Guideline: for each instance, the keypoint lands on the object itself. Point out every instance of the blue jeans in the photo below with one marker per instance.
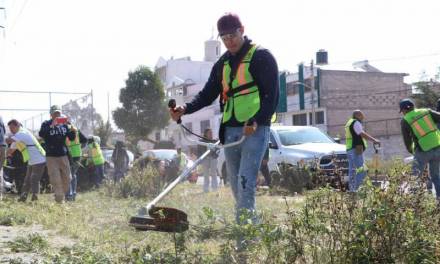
(356, 171)
(74, 166)
(431, 157)
(242, 163)
(210, 171)
(99, 175)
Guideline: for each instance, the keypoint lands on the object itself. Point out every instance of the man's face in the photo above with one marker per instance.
(209, 134)
(14, 129)
(55, 115)
(233, 41)
(359, 116)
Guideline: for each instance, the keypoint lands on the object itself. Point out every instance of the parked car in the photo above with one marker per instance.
(292, 145)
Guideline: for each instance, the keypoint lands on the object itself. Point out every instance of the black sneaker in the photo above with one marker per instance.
(34, 197)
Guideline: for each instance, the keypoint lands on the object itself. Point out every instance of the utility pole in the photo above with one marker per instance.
(312, 85)
(108, 107)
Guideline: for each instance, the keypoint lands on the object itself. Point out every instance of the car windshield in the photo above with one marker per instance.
(161, 154)
(302, 136)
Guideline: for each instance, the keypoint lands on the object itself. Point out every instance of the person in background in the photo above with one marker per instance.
(31, 151)
(356, 144)
(209, 164)
(422, 139)
(2, 152)
(95, 155)
(54, 133)
(2, 148)
(120, 160)
(15, 169)
(75, 153)
(264, 168)
(180, 159)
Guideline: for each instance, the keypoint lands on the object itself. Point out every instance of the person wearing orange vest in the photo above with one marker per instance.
(422, 138)
(246, 79)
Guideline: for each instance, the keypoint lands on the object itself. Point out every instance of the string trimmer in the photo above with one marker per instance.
(166, 219)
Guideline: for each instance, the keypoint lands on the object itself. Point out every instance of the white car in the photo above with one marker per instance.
(302, 144)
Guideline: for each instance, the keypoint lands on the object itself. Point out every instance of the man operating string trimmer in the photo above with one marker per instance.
(246, 78)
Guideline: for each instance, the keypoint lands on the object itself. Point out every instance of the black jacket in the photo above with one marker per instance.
(264, 70)
(55, 138)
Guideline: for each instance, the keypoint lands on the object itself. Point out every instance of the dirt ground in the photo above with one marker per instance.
(10, 233)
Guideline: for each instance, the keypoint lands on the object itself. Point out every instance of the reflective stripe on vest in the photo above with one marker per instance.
(21, 146)
(240, 95)
(75, 146)
(424, 128)
(349, 136)
(36, 142)
(97, 156)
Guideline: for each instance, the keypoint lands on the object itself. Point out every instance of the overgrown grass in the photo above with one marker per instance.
(9, 218)
(397, 225)
(31, 243)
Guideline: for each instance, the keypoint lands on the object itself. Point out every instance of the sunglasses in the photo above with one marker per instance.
(230, 36)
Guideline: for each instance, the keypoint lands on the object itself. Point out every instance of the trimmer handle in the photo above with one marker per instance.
(172, 105)
(376, 147)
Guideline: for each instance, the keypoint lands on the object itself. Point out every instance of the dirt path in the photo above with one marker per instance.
(10, 233)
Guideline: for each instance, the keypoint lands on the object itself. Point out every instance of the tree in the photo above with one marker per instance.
(143, 105)
(81, 116)
(427, 94)
(104, 132)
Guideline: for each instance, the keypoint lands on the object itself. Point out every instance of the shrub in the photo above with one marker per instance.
(31, 243)
(8, 217)
(139, 183)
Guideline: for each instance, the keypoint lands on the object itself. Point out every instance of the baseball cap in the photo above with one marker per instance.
(228, 23)
(55, 108)
(406, 104)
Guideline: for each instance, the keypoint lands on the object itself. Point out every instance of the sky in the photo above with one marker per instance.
(84, 45)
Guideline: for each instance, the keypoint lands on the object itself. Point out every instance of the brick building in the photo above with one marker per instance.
(339, 92)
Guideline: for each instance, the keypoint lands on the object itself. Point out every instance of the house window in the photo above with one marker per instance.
(299, 120)
(204, 124)
(319, 118)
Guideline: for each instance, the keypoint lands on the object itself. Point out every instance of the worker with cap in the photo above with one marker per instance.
(356, 143)
(54, 133)
(75, 154)
(97, 158)
(246, 79)
(422, 139)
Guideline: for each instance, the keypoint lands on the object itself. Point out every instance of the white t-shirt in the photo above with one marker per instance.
(35, 157)
(357, 127)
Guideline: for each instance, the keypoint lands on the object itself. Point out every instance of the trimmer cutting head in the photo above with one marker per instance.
(162, 219)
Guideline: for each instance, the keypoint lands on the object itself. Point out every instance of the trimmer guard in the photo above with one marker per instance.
(162, 219)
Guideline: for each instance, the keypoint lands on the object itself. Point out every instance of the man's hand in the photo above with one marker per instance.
(9, 140)
(177, 112)
(249, 128)
(376, 141)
